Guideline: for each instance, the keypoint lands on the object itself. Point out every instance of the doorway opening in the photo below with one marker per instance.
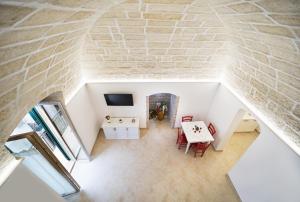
(48, 144)
(162, 107)
(244, 130)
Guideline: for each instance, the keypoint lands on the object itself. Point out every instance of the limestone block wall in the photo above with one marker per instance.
(40, 43)
(156, 39)
(266, 51)
(39, 55)
(173, 109)
(255, 42)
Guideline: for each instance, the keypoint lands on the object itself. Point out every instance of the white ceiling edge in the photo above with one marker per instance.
(69, 97)
(152, 80)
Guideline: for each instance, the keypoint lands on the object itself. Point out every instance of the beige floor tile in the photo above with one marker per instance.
(153, 169)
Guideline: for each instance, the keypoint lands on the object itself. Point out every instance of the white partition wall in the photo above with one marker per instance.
(222, 114)
(195, 98)
(87, 108)
(22, 185)
(84, 117)
(268, 171)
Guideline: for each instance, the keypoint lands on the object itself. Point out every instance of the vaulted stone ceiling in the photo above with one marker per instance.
(52, 45)
(157, 39)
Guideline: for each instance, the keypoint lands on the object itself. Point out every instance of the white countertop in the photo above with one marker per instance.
(126, 122)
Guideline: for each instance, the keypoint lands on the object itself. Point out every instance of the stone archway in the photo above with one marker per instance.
(238, 118)
(174, 100)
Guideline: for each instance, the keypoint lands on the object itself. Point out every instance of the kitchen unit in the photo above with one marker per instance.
(121, 128)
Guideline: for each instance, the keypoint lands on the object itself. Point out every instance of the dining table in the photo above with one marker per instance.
(195, 132)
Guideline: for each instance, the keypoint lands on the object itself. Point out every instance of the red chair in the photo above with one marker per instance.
(200, 147)
(186, 118)
(211, 129)
(181, 139)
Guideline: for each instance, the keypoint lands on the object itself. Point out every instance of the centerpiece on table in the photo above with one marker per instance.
(197, 129)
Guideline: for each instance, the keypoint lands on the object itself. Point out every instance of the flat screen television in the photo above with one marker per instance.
(119, 99)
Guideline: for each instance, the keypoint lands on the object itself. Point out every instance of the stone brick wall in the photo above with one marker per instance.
(173, 109)
(255, 42)
(49, 45)
(160, 97)
(156, 39)
(265, 68)
(39, 55)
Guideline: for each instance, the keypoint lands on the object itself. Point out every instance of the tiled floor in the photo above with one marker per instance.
(153, 169)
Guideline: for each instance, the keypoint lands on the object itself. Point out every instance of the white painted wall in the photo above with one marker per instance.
(22, 185)
(195, 98)
(268, 171)
(224, 110)
(83, 115)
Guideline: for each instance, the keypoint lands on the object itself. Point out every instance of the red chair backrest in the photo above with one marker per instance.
(212, 129)
(186, 118)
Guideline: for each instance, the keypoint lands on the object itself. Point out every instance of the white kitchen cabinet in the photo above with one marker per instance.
(110, 132)
(121, 128)
(122, 132)
(133, 133)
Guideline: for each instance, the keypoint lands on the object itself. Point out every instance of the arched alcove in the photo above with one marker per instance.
(242, 123)
(155, 101)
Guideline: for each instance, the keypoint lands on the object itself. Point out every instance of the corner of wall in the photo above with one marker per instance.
(213, 100)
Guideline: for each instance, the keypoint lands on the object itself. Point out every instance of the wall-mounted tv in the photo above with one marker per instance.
(119, 99)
